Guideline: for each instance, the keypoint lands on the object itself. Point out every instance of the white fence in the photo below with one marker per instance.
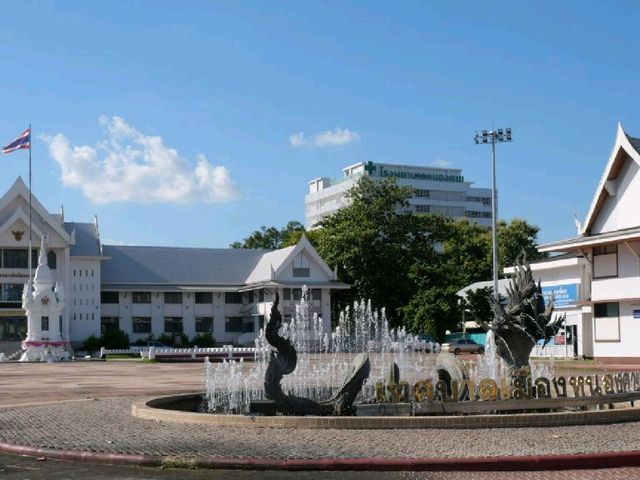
(553, 351)
(213, 353)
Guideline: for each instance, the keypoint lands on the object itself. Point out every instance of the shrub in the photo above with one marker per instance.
(92, 344)
(204, 340)
(115, 339)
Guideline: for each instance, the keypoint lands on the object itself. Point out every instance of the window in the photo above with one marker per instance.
(141, 297)
(204, 324)
(15, 258)
(605, 261)
(297, 294)
(606, 322)
(51, 260)
(422, 193)
(611, 309)
(232, 297)
(233, 324)
(109, 324)
(423, 208)
(109, 297)
(316, 294)
(173, 324)
(301, 266)
(172, 297)
(204, 297)
(141, 324)
(286, 294)
(261, 295)
(250, 296)
(248, 325)
(44, 323)
(11, 292)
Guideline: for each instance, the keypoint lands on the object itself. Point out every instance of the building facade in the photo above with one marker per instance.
(151, 291)
(440, 191)
(599, 269)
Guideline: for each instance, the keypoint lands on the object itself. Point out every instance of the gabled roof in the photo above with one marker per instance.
(273, 263)
(20, 189)
(87, 240)
(623, 147)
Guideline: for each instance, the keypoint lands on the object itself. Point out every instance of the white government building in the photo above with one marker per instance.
(440, 191)
(151, 290)
(596, 275)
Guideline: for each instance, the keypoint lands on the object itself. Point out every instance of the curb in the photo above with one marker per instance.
(582, 461)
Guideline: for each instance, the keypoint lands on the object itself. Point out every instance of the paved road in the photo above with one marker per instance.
(24, 468)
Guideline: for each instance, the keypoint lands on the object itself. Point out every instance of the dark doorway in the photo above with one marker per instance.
(13, 328)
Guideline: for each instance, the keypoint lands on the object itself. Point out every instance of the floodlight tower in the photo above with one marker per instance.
(494, 136)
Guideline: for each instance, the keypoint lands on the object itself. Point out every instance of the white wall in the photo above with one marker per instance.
(83, 298)
(621, 211)
(629, 335)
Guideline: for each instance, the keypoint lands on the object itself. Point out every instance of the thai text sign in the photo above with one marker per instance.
(563, 295)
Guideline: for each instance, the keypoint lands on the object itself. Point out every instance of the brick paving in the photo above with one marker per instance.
(86, 407)
(106, 425)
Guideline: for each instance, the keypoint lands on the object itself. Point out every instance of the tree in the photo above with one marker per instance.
(374, 242)
(517, 237)
(271, 237)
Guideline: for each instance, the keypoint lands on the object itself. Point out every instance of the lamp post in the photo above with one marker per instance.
(492, 137)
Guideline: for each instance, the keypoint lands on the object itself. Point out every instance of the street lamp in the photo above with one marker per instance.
(492, 136)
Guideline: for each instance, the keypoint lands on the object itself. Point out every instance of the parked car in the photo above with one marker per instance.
(464, 346)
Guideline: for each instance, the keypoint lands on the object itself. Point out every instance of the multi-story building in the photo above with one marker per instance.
(597, 279)
(441, 191)
(147, 291)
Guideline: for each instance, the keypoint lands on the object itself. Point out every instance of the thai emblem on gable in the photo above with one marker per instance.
(17, 234)
(45, 300)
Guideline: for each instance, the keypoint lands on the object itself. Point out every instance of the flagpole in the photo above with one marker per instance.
(29, 253)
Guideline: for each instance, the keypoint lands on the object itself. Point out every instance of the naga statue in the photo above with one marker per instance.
(523, 321)
(283, 362)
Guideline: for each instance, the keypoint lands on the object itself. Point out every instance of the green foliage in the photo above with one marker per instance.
(374, 242)
(517, 237)
(477, 304)
(413, 265)
(175, 340)
(115, 339)
(204, 340)
(92, 344)
(271, 237)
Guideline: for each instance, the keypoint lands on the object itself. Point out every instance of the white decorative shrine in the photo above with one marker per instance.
(43, 304)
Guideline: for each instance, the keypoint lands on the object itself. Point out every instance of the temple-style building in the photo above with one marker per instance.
(144, 291)
(596, 276)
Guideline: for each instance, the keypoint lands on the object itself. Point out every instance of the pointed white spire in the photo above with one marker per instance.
(43, 277)
(578, 223)
(273, 272)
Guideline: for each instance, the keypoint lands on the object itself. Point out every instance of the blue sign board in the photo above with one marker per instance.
(563, 295)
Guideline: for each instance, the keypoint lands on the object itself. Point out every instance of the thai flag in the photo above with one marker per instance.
(23, 141)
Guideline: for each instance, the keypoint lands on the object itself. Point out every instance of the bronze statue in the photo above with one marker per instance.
(283, 362)
(523, 321)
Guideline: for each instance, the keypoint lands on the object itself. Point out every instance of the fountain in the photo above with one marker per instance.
(366, 370)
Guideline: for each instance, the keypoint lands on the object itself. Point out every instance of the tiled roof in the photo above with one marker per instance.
(178, 266)
(87, 241)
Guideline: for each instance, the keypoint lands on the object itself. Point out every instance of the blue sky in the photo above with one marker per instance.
(173, 122)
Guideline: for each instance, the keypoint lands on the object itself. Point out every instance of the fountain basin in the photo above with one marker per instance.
(183, 409)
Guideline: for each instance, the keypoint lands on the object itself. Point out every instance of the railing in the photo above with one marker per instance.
(552, 351)
(227, 352)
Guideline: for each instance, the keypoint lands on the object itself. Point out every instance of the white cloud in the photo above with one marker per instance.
(132, 167)
(441, 163)
(338, 136)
